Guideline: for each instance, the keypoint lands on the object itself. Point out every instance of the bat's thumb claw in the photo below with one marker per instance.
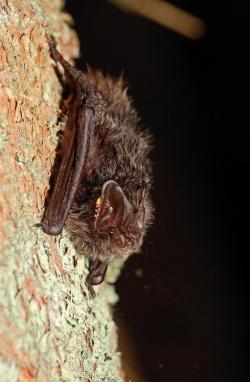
(52, 41)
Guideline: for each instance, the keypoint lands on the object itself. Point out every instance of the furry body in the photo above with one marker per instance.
(103, 183)
(119, 151)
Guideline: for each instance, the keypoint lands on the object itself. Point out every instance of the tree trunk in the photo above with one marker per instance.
(50, 329)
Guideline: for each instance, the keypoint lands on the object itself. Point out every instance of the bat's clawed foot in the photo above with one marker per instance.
(97, 271)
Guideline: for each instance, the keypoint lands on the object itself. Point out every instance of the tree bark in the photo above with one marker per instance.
(50, 329)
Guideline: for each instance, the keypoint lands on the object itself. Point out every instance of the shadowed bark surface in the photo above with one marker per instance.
(50, 330)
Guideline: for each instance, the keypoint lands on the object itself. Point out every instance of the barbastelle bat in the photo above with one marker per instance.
(102, 188)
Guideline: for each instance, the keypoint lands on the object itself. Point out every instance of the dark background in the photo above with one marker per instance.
(184, 298)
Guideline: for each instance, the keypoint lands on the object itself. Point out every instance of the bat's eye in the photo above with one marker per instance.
(111, 230)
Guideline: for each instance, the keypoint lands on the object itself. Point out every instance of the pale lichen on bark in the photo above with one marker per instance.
(50, 330)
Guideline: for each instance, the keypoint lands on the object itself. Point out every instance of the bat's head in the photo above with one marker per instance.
(116, 217)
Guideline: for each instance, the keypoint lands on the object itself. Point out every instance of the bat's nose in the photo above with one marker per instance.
(121, 241)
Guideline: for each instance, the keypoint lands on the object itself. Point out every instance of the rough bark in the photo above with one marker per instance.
(50, 330)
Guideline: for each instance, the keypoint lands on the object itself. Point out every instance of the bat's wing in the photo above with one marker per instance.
(70, 173)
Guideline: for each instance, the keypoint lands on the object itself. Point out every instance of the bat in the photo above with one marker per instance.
(102, 188)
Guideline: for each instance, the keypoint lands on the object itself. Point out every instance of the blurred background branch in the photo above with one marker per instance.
(167, 15)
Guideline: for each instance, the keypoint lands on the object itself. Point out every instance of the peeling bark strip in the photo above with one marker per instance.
(49, 329)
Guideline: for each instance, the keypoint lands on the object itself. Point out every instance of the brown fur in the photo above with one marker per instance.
(118, 151)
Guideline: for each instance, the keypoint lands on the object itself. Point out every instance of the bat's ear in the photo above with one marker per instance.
(114, 208)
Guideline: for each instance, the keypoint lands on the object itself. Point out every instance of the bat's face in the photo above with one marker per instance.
(115, 216)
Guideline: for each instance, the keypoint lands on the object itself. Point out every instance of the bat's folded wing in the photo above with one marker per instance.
(70, 173)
